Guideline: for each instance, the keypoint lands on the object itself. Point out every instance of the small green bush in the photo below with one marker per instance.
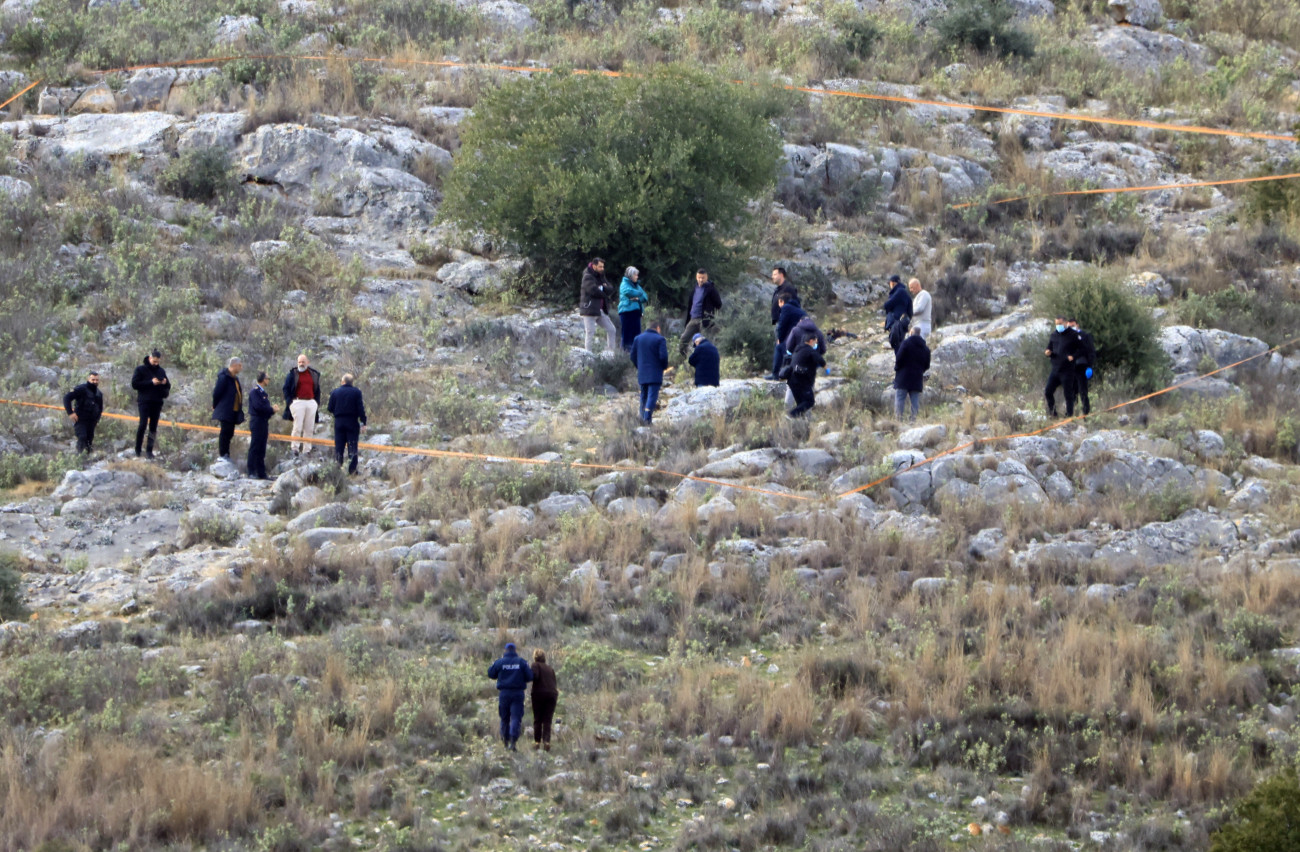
(1121, 326)
(199, 174)
(652, 170)
(858, 33)
(1267, 820)
(212, 529)
(984, 25)
(11, 598)
(745, 331)
(17, 468)
(1275, 201)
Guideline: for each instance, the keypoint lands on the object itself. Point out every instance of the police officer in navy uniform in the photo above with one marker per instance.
(512, 674)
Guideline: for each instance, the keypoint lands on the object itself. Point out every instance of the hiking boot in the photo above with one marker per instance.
(547, 745)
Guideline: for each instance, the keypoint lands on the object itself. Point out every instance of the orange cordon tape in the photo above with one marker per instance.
(20, 93)
(1057, 425)
(423, 451)
(869, 96)
(1256, 179)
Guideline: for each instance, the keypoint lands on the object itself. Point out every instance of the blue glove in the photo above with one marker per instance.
(1088, 373)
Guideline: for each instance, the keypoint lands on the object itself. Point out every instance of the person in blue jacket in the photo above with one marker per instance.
(706, 360)
(512, 674)
(650, 357)
(786, 320)
(632, 300)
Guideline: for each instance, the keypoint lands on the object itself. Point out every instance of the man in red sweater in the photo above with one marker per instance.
(302, 398)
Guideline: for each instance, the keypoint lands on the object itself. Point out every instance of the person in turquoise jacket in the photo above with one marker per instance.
(631, 302)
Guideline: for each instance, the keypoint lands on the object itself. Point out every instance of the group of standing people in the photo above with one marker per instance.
(1073, 355)
(84, 405)
(909, 319)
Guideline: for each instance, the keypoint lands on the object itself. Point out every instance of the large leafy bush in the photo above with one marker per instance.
(653, 171)
(1121, 326)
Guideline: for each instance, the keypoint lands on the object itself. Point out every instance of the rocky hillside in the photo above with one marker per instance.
(1081, 639)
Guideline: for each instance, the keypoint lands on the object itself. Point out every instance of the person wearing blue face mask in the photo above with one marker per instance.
(1061, 349)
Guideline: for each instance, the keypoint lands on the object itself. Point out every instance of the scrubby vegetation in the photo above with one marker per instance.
(656, 169)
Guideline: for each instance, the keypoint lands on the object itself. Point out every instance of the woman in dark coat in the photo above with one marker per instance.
(910, 365)
(545, 696)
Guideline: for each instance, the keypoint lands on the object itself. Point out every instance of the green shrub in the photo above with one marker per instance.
(745, 331)
(651, 170)
(199, 174)
(858, 33)
(1121, 326)
(17, 468)
(1275, 201)
(220, 530)
(1267, 820)
(11, 598)
(984, 25)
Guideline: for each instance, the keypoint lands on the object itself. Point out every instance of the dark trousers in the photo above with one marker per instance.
(631, 327)
(804, 398)
(510, 707)
(649, 399)
(1063, 378)
(84, 429)
(693, 327)
(1081, 380)
(778, 358)
(258, 430)
(149, 414)
(543, 713)
(223, 437)
(346, 437)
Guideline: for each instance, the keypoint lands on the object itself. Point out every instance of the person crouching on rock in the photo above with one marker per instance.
(803, 377)
(512, 674)
(706, 361)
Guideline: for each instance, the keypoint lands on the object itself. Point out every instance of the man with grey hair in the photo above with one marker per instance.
(922, 307)
(228, 404)
(349, 411)
(302, 401)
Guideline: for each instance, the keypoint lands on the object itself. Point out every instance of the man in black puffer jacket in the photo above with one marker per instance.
(85, 404)
(151, 387)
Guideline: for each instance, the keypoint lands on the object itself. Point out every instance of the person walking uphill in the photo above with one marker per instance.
(349, 410)
(898, 312)
(512, 674)
(910, 364)
(706, 361)
(1061, 349)
(228, 404)
(781, 287)
(787, 318)
(650, 357)
(632, 300)
(592, 298)
(85, 405)
(149, 381)
(302, 401)
(546, 694)
(260, 412)
(701, 305)
(804, 365)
